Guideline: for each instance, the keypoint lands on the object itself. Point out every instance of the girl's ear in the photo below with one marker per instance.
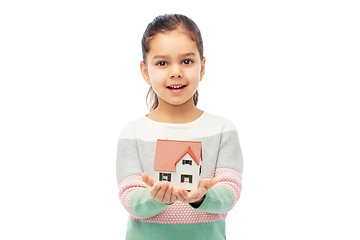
(145, 72)
(202, 71)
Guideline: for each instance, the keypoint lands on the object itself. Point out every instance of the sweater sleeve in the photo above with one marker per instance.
(217, 200)
(223, 196)
(144, 206)
(133, 192)
(135, 196)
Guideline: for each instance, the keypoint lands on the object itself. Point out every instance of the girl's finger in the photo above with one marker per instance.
(180, 197)
(173, 197)
(167, 195)
(154, 191)
(191, 194)
(160, 194)
(207, 184)
(196, 194)
(184, 194)
(147, 180)
(213, 182)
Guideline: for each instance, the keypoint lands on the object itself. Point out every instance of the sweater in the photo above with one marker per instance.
(221, 158)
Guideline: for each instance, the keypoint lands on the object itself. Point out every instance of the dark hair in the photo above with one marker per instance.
(167, 23)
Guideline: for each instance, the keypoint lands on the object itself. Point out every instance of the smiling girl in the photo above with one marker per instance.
(173, 65)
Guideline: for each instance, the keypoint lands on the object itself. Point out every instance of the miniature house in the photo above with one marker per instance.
(178, 163)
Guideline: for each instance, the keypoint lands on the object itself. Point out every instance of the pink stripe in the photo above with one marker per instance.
(181, 213)
(126, 188)
(231, 179)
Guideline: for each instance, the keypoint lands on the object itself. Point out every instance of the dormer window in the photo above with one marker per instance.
(186, 162)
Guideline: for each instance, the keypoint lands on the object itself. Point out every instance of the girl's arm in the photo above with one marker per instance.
(163, 193)
(134, 194)
(229, 166)
(222, 197)
(214, 198)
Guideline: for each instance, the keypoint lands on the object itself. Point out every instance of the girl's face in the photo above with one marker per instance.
(173, 67)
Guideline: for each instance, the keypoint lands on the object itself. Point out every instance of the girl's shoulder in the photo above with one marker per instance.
(219, 121)
(130, 129)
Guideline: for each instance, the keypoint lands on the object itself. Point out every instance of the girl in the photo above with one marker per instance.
(173, 65)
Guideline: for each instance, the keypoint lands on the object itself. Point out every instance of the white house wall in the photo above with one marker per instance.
(183, 169)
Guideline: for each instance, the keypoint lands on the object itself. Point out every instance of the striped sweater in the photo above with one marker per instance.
(221, 158)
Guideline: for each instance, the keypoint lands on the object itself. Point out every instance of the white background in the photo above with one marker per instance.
(285, 72)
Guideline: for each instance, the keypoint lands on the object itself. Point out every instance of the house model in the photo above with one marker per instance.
(178, 163)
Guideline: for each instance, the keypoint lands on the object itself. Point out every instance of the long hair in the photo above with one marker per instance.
(167, 23)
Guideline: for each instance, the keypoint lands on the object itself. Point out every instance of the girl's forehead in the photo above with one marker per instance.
(174, 41)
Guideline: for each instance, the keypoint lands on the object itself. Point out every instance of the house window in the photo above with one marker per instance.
(186, 178)
(165, 177)
(186, 162)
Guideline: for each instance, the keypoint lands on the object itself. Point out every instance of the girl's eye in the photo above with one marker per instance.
(187, 61)
(161, 64)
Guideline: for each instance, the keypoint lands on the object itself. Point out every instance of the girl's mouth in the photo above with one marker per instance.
(176, 88)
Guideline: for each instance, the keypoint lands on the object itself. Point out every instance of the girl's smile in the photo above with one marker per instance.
(176, 88)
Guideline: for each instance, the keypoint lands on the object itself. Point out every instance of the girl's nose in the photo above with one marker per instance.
(176, 71)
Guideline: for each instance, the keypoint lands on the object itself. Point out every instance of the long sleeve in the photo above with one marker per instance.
(224, 195)
(129, 169)
(144, 206)
(134, 194)
(135, 197)
(217, 200)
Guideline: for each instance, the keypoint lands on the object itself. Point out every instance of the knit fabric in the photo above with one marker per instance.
(221, 158)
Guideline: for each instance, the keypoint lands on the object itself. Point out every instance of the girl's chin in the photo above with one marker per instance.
(178, 102)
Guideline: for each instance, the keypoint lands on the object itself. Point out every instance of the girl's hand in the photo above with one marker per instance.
(148, 180)
(163, 193)
(196, 196)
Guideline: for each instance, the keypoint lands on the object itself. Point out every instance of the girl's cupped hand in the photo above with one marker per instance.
(165, 193)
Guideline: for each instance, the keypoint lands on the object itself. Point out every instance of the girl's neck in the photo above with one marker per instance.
(175, 114)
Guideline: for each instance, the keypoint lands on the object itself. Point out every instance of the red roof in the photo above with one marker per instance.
(170, 152)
